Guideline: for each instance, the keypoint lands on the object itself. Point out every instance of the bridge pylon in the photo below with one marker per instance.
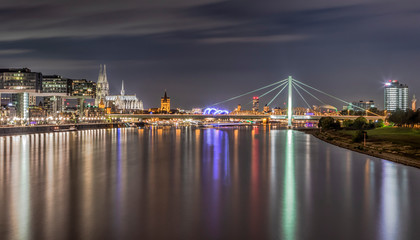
(290, 104)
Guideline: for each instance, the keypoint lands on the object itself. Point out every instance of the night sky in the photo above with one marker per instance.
(204, 51)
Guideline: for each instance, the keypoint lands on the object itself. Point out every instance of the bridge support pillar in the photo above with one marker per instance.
(289, 104)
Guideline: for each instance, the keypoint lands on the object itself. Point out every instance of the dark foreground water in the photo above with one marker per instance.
(186, 183)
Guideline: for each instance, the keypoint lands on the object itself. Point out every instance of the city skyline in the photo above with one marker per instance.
(209, 119)
(209, 45)
(279, 99)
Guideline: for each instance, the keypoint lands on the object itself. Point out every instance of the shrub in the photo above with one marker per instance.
(379, 123)
(359, 136)
(347, 123)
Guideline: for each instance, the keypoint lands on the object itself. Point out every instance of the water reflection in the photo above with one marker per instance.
(187, 183)
(289, 201)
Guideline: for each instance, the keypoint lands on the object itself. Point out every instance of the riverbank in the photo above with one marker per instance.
(376, 146)
(6, 131)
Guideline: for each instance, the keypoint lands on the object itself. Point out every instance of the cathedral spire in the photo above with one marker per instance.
(104, 77)
(102, 86)
(122, 88)
(100, 74)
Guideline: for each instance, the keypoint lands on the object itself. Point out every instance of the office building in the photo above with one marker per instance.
(20, 80)
(413, 103)
(360, 105)
(83, 88)
(55, 84)
(53, 105)
(395, 96)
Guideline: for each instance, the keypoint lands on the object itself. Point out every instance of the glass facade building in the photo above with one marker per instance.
(395, 96)
(55, 84)
(20, 79)
(83, 88)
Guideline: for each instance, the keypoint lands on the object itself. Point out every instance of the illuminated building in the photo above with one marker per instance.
(102, 86)
(165, 103)
(8, 111)
(55, 84)
(20, 79)
(255, 104)
(20, 101)
(196, 111)
(23, 105)
(395, 96)
(266, 108)
(124, 102)
(101, 104)
(83, 88)
(239, 108)
(413, 103)
(32, 100)
(53, 104)
(360, 105)
(36, 111)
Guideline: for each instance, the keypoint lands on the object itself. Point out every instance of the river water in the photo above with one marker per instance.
(188, 183)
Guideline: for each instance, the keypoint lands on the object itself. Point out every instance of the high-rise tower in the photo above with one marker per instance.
(102, 86)
(396, 96)
(255, 104)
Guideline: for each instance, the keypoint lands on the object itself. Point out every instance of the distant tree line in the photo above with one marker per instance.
(359, 123)
(408, 118)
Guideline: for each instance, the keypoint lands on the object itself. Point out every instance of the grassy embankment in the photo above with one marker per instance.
(392, 135)
(401, 145)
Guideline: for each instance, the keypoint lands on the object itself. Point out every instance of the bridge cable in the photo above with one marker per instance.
(256, 90)
(280, 85)
(333, 97)
(301, 96)
(311, 94)
(277, 95)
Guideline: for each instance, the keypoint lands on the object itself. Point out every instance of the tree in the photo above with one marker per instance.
(397, 117)
(328, 123)
(360, 123)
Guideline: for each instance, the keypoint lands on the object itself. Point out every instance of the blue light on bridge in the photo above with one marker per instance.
(214, 111)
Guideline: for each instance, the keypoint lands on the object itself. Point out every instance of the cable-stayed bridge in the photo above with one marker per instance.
(277, 88)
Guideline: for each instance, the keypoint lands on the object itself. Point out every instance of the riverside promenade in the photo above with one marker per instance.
(16, 130)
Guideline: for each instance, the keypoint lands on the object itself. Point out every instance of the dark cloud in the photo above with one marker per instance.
(205, 51)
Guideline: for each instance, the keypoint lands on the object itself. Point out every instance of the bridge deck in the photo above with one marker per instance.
(259, 116)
